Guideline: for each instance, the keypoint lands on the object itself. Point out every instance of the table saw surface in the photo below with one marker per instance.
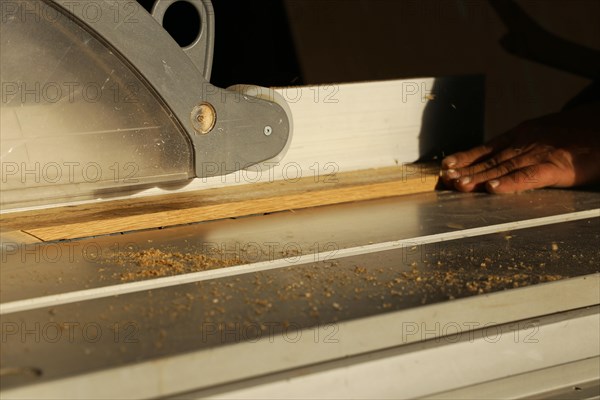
(317, 290)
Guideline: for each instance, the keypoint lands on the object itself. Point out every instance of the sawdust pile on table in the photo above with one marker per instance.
(240, 307)
(155, 263)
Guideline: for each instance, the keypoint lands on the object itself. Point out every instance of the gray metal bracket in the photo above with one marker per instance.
(236, 139)
(201, 49)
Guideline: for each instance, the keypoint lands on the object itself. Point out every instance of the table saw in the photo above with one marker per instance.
(399, 291)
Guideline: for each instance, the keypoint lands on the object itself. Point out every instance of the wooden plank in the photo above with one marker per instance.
(13, 237)
(87, 220)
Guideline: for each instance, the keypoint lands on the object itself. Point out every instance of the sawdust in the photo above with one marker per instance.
(319, 285)
(337, 290)
(263, 304)
(155, 263)
(328, 292)
(305, 296)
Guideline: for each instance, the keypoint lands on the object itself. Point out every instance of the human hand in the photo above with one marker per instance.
(558, 150)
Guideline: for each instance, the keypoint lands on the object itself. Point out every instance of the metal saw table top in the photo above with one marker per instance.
(73, 308)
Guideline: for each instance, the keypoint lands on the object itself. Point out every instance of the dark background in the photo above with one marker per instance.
(294, 42)
(253, 42)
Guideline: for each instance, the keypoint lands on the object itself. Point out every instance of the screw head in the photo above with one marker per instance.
(268, 130)
(204, 118)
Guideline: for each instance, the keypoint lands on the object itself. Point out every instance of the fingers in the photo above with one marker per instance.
(490, 164)
(537, 153)
(466, 158)
(505, 163)
(505, 166)
(529, 178)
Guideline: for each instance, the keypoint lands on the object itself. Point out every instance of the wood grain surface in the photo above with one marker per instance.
(88, 220)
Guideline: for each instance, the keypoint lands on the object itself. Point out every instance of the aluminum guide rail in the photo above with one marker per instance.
(125, 288)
